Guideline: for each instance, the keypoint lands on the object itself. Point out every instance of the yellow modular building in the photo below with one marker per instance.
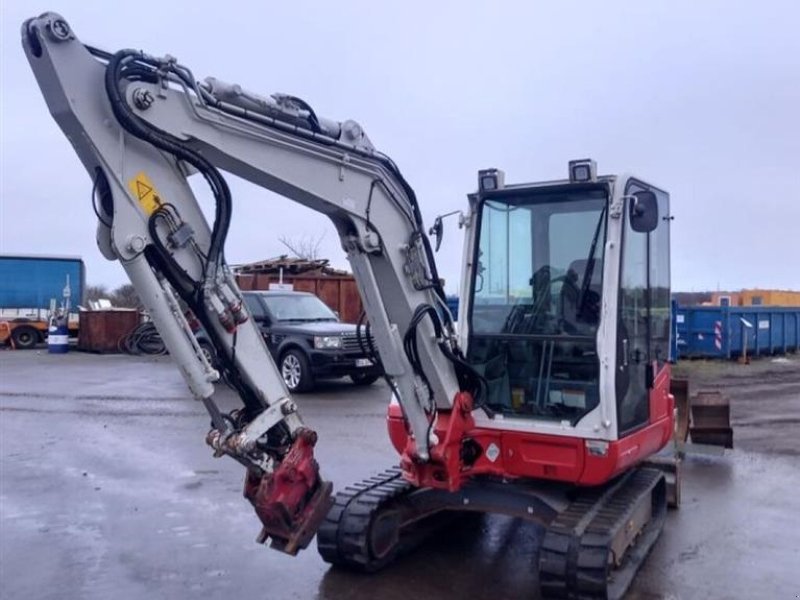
(757, 297)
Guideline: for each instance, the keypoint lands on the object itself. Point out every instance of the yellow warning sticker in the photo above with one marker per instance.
(145, 192)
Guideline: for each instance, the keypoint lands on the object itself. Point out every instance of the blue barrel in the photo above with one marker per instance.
(58, 339)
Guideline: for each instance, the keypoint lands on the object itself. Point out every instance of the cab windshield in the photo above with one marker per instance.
(536, 301)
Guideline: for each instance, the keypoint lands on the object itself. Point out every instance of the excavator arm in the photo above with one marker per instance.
(142, 126)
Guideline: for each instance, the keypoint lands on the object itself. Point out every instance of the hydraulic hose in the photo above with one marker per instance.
(166, 142)
(157, 255)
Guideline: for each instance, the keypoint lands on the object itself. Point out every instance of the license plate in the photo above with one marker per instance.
(363, 362)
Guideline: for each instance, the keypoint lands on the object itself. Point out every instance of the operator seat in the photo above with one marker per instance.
(581, 318)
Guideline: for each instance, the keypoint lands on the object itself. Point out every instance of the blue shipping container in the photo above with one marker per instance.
(723, 331)
(720, 331)
(31, 281)
(452, 304)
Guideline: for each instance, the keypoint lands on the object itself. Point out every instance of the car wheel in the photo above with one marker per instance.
(208, 351)
(24, 338)
(296, 371)
(362, 379)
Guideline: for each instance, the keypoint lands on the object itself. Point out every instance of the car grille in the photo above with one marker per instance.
(350, 343)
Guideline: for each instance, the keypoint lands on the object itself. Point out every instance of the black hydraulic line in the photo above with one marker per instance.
(166, 142)
(99, 53)
(158, 261)
(369, 201)
(134, 73)
(410, 342)
(180, 279)
(371, 342)
(158, 256)
(363, 337)
(468, 378)
(100, 184)
(412, 198)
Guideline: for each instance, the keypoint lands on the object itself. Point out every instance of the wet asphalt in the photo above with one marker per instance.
(107, 490)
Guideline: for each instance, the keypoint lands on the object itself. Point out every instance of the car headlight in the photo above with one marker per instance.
(327, 341)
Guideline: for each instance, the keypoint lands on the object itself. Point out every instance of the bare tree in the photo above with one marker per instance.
(125, 296)
(95, 292)
(691, 298)
(305, 247)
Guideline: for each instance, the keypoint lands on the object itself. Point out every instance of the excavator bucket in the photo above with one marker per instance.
(293, 501)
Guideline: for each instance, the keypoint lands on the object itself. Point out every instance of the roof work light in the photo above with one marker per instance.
(582, 170)
(490, 180)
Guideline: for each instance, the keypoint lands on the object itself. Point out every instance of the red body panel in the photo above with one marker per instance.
(529, 455)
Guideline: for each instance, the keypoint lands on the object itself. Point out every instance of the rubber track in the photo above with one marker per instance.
(342, 538)
(574, 557)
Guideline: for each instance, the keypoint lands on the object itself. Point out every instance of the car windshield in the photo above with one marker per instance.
(299, 308)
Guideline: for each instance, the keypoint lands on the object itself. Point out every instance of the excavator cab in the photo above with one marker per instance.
(564, 280)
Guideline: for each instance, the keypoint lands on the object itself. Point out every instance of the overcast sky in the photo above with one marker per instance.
(701, 98)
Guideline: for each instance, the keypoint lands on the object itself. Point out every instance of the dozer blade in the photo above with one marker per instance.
(711, 419)
(704, 417)
(679, 388)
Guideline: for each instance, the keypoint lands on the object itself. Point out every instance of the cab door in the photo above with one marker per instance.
(643, 332)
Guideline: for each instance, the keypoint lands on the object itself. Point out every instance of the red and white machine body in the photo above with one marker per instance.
(579, 388)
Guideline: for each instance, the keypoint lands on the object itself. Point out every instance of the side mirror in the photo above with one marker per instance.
(644, 212)
(437, 231)
(438, 228)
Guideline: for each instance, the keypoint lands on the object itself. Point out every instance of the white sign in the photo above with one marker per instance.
(281, 287)
(492, 452)
(679, 318)
(763, 324)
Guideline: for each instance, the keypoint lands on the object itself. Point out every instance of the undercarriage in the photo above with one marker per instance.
(595, 539)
